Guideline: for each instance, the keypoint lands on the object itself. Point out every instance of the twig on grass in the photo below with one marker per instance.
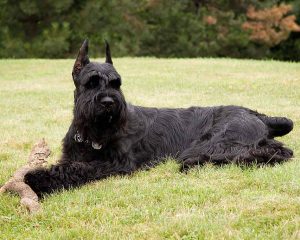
(37, 158)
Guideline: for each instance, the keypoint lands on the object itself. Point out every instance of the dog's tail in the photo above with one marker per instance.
(278, 126)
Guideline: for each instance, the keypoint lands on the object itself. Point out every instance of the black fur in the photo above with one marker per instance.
(132, 137)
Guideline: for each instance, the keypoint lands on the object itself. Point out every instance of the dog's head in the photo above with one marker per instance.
(100, 107)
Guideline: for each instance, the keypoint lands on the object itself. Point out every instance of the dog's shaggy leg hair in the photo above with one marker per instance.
(61, 176)
(68, 175)
(266, 151)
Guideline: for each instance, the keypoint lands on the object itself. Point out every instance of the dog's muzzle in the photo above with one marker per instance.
(107, 102)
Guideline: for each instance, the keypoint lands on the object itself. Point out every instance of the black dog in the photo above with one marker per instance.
(108, 136)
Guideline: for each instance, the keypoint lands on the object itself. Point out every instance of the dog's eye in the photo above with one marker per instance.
(116, 83)
(93, 82)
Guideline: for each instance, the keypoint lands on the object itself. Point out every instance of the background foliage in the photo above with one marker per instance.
(162, 28)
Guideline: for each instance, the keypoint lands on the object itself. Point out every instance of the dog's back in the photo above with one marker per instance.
(169, 132)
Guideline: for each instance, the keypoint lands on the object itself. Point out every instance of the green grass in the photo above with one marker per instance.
(36, 98)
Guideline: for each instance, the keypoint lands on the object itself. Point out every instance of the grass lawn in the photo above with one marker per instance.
(36, 99)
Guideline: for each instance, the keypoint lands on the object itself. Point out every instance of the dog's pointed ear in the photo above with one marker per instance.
(81, 60)
(107, 53)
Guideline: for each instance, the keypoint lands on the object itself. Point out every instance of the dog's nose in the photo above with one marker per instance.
(107, 101)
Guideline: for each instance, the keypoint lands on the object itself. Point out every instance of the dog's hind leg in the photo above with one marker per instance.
(265, 151)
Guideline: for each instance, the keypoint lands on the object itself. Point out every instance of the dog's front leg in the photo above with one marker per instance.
(63, 176)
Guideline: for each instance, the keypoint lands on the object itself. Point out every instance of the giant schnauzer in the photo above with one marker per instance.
(109, 136)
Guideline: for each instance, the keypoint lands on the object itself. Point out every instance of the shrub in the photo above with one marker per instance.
(271, 26)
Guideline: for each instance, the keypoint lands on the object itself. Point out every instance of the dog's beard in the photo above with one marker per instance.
(94, 122)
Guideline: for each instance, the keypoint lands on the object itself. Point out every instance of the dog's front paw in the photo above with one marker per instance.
(39, 181)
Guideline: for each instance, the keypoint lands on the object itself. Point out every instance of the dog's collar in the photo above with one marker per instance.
(78, 138)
